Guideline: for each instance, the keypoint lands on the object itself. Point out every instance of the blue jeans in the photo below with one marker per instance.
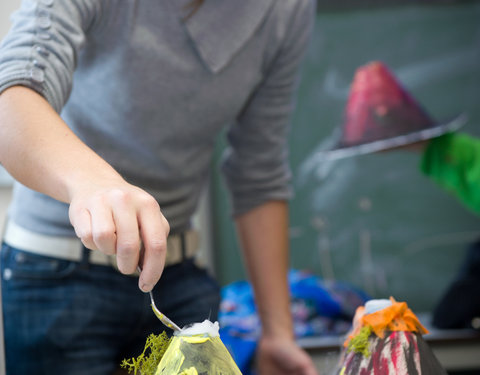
(75, 318)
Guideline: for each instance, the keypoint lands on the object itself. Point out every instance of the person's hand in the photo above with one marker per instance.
(283, 357)
(120, 219)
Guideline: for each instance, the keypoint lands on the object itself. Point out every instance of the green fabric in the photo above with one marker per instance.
(453, 162)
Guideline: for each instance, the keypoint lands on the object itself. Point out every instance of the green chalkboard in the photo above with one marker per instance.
(375, 221)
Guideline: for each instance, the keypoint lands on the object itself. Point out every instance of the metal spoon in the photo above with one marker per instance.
(164, 319)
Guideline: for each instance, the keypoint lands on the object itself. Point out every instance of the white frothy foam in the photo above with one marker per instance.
(376, 304)
(206, 328)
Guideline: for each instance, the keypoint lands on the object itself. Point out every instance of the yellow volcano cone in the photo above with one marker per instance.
(197, 350)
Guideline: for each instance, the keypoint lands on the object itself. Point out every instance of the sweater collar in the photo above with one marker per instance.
(220, 28)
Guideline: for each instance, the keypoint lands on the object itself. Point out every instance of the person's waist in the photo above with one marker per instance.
(180, 247)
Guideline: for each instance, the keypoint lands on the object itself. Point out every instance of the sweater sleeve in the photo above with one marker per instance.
(453, 162)
(255, 164)
(41, 49)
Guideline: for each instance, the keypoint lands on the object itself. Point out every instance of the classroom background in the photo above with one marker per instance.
(373, 221)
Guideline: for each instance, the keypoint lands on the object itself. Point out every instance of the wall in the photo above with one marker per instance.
(375, 221)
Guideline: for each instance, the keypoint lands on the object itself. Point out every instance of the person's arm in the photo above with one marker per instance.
(108, 214)
(453, 162)
(263, 236)
(41, 152)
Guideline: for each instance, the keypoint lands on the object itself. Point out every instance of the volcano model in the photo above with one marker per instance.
(380, 114)
(195, 351)
(387, 340)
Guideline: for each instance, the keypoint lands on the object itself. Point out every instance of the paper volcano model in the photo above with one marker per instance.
(387, 339)
(380, 114)
(196, 351)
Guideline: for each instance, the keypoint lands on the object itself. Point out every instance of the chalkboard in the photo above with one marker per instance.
(374, 220)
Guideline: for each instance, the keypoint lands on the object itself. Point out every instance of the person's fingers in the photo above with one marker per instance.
(279, 357)
(112, 221)
(309, 369)
(128, 238)
(154, 229)
(305, 363)
(82, 224)
(103, 228)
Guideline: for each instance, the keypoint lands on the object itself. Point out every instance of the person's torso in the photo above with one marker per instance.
(150, 99)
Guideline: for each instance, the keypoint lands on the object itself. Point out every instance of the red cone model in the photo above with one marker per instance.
(379, 108)
(381, 114)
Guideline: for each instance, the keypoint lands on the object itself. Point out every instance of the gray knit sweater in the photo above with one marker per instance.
(149, 90)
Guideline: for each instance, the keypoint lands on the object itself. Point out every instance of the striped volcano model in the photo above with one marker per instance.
(387, 340)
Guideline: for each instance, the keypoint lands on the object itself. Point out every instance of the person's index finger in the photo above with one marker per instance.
(154, 231)
(153, 264)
